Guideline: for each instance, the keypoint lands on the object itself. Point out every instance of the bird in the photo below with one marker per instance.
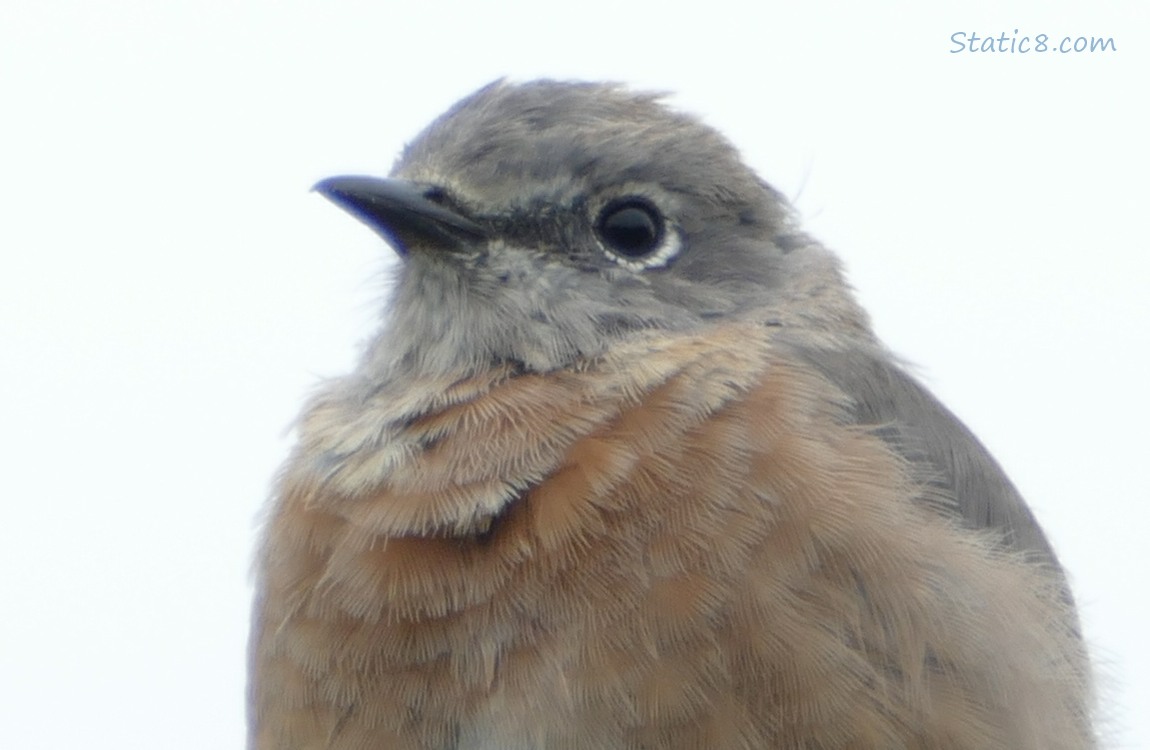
(626, 466)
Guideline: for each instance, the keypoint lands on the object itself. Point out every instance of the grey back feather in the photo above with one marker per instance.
(970, 483)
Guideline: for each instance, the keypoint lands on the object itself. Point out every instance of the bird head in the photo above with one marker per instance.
(538, 223)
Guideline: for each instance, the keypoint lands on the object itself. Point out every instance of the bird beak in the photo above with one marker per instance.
(403, 213)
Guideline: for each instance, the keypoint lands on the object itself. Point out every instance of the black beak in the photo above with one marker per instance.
(406, 214)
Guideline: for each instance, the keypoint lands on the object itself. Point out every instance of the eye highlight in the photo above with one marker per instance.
(635, 234)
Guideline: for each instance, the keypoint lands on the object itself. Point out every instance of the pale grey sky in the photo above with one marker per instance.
(170, 290)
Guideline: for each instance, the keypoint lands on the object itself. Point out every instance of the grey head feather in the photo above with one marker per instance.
(535, 165)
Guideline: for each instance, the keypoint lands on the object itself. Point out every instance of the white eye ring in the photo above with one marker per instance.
(634, 234)
(667, 250)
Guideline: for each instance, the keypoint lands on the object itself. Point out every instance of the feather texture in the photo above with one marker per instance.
(692, 544)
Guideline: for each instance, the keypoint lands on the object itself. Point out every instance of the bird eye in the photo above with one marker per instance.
(630, 227)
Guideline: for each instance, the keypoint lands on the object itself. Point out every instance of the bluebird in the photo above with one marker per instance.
(626, 467)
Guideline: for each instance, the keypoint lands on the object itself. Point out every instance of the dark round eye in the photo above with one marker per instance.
(630, 227)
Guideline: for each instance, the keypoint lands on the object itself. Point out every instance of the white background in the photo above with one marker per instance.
(170, 290)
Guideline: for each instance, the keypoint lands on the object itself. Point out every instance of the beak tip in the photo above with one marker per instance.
(400, 211)
(331, 187)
